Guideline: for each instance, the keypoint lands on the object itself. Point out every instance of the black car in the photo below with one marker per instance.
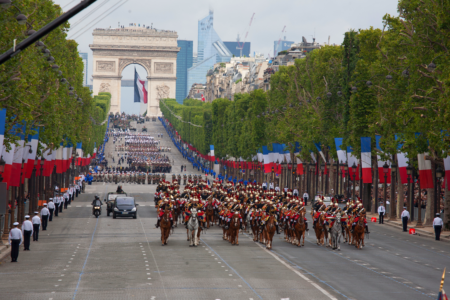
(110, 201)
(125, 207)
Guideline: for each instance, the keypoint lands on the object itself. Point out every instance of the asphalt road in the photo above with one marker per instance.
(81, 257)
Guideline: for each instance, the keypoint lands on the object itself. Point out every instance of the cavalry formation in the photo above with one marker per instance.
(255, 210)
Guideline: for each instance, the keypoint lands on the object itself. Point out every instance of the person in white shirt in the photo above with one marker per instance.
(381, 212)
(264, 186)
(15, 240)
(56, 200)
(61, 202)
(66, 199)
(277, 189)
(36, 225)
(295, 192)
(51, 208)
(271, 186)
(286, 189)
(44, 216)
(405, 218)
(27, 229)
(437, 225)
(305, 197)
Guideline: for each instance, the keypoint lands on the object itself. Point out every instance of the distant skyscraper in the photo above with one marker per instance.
(84, 56)
(284, 45)
(233, 47)
(210, 49)
(184, 62)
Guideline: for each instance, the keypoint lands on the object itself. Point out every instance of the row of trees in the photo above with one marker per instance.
(44, 87)
(390, 81)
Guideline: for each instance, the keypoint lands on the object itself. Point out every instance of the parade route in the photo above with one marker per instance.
(81, 257)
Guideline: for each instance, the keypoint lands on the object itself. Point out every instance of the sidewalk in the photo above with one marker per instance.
(5, 251)
(425, 231)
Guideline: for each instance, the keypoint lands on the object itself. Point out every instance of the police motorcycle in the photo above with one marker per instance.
(97, 207)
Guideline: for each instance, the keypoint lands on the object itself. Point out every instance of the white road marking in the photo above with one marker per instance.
(299, 274)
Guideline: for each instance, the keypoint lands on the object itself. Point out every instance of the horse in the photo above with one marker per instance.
(299, 230)
(235, 225)
(358, 233)
(193, 229)
(176, 213)
(165, 227)
(209, 214)
(255, 226)
(319, 229)
(336, 233)
(269, 231)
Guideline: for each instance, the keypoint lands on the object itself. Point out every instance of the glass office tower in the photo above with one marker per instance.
(234, 48)
(184, 62)
(210, 50)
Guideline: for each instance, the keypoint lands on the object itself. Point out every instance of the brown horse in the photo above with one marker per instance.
(358, 233)
(300, 229)
(209, 214)
(165, 227)
(235, 225)
(255, 226)
(269, 231)
(319, 229)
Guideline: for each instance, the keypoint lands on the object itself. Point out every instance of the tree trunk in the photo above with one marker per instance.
(429, 213)
(400, 196)
(446, 217)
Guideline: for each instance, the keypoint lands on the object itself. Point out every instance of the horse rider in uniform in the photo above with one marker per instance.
(359, 211)
(162, 207)
(271, 210)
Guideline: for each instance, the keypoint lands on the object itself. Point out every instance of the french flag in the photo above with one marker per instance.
(426, 176)
(211, 153)
(59, 159)
(342, 154)
(8, 157)
(260, 155)
(351, 159)
(31, 156)
(381, 163)
(319, 148)
(18, 157)
(69, 155)
(94, 155)
(65, 158)
(268, 159)
(140, 93)
(80, 154)
(366, 159)
(48, 162)
(287, 154)
(313, 157)
(299, 162)
(447, 171)
(402, 163)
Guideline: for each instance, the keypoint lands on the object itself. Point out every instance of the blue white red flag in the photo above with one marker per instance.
(140, 93)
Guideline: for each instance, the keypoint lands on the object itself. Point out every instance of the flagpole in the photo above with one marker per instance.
(442, 281)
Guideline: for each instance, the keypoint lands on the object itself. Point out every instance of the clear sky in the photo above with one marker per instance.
(319, 18)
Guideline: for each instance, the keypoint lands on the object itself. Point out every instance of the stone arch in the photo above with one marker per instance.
(124, 62)
(155, 50)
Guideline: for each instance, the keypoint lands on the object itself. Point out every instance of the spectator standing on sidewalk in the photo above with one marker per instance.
(381, 212)
(405, 218)
(437, 225)
(44, 216)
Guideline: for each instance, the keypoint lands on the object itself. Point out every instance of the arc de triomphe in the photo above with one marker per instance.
(155, 50)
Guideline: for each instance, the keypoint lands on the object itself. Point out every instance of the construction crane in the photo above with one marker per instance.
(241, 46)
(279, 40)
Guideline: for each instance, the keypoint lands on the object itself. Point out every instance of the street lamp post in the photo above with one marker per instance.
(336, 171)
(392, 205)
(347, 177)
(385, 171)
(322, 180)
(409, 171)
(437, 196)
(354, 176)
(311, 181)
(327, 175)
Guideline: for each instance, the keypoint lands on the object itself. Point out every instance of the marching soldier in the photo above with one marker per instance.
(184, 179)
(179, 178)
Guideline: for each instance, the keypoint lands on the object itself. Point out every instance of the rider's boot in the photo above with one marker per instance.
(157, 224)
(261, 227)
(306, 224)
(367, 228)
(314, 224)
(185, 224)
(227, 226)
(278, 230)
(171, 223)
(353, 228)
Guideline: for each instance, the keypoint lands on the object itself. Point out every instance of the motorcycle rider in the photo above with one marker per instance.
(97, 202)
